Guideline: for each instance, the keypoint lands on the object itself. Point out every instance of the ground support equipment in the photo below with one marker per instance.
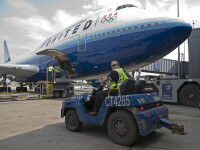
(126, 117)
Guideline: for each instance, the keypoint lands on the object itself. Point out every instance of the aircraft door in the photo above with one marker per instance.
(82, 43)
(62, 59)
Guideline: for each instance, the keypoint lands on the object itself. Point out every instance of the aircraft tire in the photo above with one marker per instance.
(36, 90)
(21, 89)
(122, 128)
(72, 121)
(9, 89)
(3, 89)
(18, 89)
(24, 89)
(189, 95)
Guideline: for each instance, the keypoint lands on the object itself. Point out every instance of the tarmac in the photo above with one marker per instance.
(37, 125)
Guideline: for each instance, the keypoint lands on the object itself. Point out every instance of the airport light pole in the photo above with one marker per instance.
(179, 46)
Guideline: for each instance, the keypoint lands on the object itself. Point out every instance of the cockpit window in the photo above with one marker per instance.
(130, 5)
(125, 6)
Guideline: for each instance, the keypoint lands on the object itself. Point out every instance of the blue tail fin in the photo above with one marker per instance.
(6, 53)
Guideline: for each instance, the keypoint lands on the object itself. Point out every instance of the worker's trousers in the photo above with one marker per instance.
(100, 96)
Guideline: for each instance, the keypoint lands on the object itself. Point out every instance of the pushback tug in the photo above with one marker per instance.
(131, 114)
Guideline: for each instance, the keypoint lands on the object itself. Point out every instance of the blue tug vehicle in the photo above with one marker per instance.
(134, 112)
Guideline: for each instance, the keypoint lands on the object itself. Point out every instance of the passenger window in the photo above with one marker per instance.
(90, 37)
(156, 25)
(95, 37)
(113, 32)
(104, 34)
(142, 27)
(149, 26)
(108, 34)
(99, 35)
(124, 30)
(164, 24)
(118, 32)
(130, 5)
(135, 28)
(119, 7)
(129, 29)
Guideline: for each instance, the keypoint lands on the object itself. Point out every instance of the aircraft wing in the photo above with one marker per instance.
(18, 70)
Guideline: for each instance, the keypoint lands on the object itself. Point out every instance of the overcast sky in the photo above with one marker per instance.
(25, 24)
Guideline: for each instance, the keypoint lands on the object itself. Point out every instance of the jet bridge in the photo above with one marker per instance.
(167, 67)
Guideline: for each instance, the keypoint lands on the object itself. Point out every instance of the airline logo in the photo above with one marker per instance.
(109, 18)
(168, 87)
(69, 32)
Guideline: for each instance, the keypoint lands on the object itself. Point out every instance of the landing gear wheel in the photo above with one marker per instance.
(24, 89)
(189, 95)
(18, 89)
(122, 128)
(9, 89)
(72, 121)
(21, 89)
(5, 89)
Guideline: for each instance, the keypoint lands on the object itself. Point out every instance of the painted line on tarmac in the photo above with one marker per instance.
(184, 117)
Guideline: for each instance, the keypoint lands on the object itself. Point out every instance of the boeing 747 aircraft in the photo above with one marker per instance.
(85, 49)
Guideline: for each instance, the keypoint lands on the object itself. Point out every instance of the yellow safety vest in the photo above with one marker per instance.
(122, 78)
(57, 69)
(50, 68)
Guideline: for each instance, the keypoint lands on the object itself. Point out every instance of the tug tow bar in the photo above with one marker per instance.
(174, 127)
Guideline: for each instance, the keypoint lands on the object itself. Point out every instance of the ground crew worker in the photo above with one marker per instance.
(50, 68)
(57, 69)
(50, 72)
(57, 72)
(115, 78)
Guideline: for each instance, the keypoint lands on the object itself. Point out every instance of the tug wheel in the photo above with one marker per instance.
(122, 128)
(189, 95)
(72, 121)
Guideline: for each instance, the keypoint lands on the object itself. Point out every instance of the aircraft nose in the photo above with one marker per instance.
(180, 32)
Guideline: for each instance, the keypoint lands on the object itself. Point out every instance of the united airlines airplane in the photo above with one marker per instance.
(85, 49)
